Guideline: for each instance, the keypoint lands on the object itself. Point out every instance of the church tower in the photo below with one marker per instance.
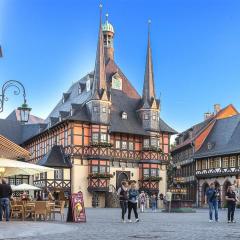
(108, 35)
(150, 106)
(99, 104)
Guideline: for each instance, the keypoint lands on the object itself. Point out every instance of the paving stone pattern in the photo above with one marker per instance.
(105, 224)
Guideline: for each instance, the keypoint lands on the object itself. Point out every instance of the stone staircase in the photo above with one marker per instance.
(112, 200)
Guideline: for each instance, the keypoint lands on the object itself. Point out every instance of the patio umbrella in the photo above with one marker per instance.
(12, 167)
(25, 187)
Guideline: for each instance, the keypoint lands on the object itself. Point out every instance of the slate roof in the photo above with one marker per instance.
(224, 138)
(55, 158)
(17, 132)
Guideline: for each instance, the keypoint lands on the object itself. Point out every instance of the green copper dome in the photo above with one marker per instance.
(107, 27)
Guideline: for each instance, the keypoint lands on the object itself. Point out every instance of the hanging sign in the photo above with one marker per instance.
(78, 210)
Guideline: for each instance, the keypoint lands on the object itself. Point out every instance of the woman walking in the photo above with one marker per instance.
(123, 198)
(132, 201)
(231, 204)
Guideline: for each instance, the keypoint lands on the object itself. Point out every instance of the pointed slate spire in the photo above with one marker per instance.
(99, 83)
(148, 87)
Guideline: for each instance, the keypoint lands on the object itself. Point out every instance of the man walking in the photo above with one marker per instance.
(5, 194)
(212, 198)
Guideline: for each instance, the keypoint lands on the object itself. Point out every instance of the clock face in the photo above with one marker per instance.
(117, 82)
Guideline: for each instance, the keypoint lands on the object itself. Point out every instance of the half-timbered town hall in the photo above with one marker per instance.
(101, 132)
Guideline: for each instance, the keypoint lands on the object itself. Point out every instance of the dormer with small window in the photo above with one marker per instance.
(124, 115)
(116, 81)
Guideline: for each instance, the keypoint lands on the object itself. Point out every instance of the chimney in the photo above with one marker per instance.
(217, 108)
(207, 115)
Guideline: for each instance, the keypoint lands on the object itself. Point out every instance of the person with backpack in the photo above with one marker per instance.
(132, 201)
(142, 198)
(123, 198)
(212, 198)
(231, 204)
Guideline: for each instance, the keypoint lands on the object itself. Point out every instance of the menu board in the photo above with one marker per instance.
(78, 210)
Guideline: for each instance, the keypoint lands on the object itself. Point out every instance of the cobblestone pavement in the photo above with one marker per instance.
(105, 224)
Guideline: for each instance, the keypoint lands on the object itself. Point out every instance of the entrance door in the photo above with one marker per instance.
(121, 176)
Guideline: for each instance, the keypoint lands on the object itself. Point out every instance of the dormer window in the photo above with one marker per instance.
(88, 85)
(95, 109)
(154, 117)
(63, 100)
(124, 115)
(116, 81)
(71, 112)
(79, 89)
(104, 110)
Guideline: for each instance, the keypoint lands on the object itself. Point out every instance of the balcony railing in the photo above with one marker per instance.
(53, 183)
(149, 185)
(98, 184)
(112, 153)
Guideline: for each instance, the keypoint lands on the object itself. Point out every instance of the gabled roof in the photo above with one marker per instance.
(224, 138)
(197, 129)
(55, 158)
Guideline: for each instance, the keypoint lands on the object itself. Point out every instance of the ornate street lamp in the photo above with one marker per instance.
(24, 109)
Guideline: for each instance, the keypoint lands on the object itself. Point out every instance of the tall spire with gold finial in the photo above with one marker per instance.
(99, 89)
(148, 95)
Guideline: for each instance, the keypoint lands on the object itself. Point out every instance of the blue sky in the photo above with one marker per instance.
(48, 44)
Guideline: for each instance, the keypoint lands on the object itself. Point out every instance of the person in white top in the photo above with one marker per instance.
(142, 198)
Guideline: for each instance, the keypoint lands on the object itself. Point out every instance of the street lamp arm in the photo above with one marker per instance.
(18, 87)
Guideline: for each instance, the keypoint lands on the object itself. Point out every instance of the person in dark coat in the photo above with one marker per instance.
(5, 195)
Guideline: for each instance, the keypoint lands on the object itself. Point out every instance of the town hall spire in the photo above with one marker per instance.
(150, 107)
(148, 95)
(99, 89)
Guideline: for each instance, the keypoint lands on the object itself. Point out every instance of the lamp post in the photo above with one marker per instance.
(24, 109)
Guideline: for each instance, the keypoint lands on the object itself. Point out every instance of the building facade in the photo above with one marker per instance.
(195, 156)
(102, 132)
